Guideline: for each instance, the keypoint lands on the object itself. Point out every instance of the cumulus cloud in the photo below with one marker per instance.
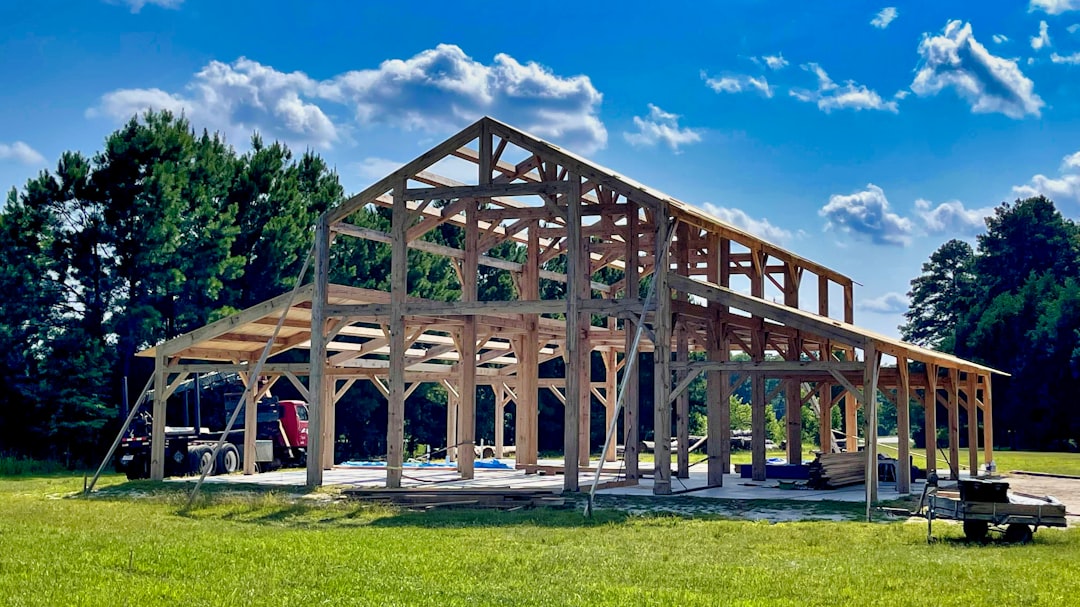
(1066, 186)
(1072, 59)
(866, 214)
(990, 84)
(888, 303)
(20, 152)
(830, 96)
(738, 84)
(951, 217)
(1053, 7)
(1043, 39)
(137, 5)
(1000, 38)
(661, 127)
(376, 168)
(436, 91)
(758, 227)
(1072, 29)
(884, 17)
(774, 62)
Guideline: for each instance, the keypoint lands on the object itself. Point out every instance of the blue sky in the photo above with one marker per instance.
(861, 135)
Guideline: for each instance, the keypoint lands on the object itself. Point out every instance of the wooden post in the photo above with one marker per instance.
(718, 408)
(609, 390)
(825, 416)
(399, 291)
(930, 413)
(500, 418)
(251, 422)
(725, 356)
(157, 423)
(329, 421)
(584, 366)
(662, 362)
(792, 395)
(682, 349)
(452, 399)
(577, 265)
(903, 428)
(973, 423)
(988, 422)
(316, 394)
(954, 423)
(631, 403)
(757, 394)
(872, 359)
(526, 408)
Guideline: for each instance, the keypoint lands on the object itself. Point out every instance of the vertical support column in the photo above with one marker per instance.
(954, 423)
(792, 391)
(872, 360)
(824, 390)
(903, 428)
(577, 266)
(329, 422)
(682, 350)
(930, 414)
(500, 418)
(662, 361)
(317, 376)
(528, 372)
(757, 345)
(718, 408)
(584, 365)
(157, 424)
(631, 403)
(251, 422)
(609, 390)
(399, 290)
(725, 355)
(851, 422)
(452, 398)
(971, 388)
(988, 422)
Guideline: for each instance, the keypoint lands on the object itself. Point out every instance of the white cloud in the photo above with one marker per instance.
(889, 303)
(738, 84)
(990, 84)
(884, 17)
(1000, 38)
(373, 168)
(436, 91)
(866, 213)
(137, 5)
(1072, 59)
(661, 126)
(1053, 7)
(1064, 187)
(775, 62)
(21, 152)
(1043, 39)
(1072, 29)
(830, 96)
(951, 217)
(758, 227)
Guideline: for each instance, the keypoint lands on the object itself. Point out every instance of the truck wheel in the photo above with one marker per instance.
(200, 459)
(975, 531)
(228, 459)
(1017, 533)
(137, 469)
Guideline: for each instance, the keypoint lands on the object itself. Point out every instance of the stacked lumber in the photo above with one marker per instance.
(835, 470)
(427, 499)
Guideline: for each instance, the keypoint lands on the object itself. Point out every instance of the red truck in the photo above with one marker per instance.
(280, 439)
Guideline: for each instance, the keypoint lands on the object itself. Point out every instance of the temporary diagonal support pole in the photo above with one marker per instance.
(254, 374)
(120, 435)
(631, 361)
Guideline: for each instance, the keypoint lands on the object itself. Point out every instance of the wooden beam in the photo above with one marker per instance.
(682, 348)
(631, 402)
(872, 358)
(903, 428)
(317, 396)
(971, 389)
(486, 190)
(399, 293)
(157, 424)
(930, 415)
(662, 361)
(988, 423)
(954, 423)
(576, 338)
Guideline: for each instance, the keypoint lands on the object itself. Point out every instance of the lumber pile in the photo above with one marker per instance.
(427, 499)
(835, 470)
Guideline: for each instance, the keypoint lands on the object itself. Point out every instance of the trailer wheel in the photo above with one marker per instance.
(228, 459)
(975, 531)
(138, 468)
(1017, 533)
(200, 459)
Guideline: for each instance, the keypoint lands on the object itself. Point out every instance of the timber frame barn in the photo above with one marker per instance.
(718, 290)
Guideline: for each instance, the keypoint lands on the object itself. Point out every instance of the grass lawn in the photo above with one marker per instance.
(267, 549)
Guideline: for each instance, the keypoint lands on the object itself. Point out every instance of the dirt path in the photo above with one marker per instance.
(1066, 490)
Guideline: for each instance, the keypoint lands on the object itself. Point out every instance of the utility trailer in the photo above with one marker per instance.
(982, 505)
(202, 407)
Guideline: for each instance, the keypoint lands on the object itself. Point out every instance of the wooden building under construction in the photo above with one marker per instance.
(755, 311)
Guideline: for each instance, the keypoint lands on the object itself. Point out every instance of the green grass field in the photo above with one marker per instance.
(133, 546)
